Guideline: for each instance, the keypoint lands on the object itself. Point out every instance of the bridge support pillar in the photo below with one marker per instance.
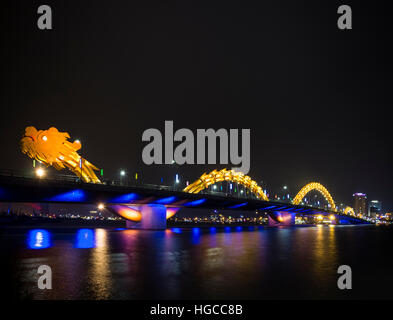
(153, 217)
(281, 218)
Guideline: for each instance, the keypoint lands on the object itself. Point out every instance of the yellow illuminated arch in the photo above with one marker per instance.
(226, 175)
(349, 211)
(314, 186)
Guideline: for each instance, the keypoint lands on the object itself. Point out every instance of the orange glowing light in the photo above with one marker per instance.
(215, 176)
(52, 148)
(170, 212)
(126, 212)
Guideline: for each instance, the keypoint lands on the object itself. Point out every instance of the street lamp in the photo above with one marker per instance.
(40, 172)
(122, 174)
(177, 180)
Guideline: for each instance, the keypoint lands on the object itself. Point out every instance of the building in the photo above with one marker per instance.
(374, 208)
(359, 203)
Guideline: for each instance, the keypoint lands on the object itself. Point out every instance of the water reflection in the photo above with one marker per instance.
(85, 239)
(99, 272)
(196, 235)
(325, 257)
(38, 239)
(212, 262)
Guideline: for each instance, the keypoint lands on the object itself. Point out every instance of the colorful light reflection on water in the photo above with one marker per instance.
(85, 239)
(38, 239)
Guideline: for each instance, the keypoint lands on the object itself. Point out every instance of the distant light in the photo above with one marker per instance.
(101, 206)
(40, 172)
(45, 138)
(122, 172)
(214, 187)
(77, 141)
(332, 217)
(319, 217)
(285, 187)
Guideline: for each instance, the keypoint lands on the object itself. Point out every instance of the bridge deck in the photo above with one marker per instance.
(22, 189)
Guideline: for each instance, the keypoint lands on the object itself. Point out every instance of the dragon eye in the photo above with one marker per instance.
(44, 138)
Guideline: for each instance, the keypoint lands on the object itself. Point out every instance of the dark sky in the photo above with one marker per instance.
(317, 99)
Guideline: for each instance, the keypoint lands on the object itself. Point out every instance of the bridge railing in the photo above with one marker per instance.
(31, 175)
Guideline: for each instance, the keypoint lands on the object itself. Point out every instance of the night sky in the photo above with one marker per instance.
(317, 99)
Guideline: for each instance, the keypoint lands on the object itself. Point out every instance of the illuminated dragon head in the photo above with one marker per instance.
(52, 148)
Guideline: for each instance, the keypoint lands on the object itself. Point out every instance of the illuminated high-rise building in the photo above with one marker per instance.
(374, 208)
(359, 203)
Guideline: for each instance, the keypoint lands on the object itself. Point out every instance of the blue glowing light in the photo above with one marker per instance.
(271, 207)
(165, 200)
(195, 203)
(227, 229)
(85, 239)
(38, 239)
(195, 235)
(120, 229)
(213, 230)
(176, 230)
(238, 205)
(125, 198)
(239, 228)
(70, 196)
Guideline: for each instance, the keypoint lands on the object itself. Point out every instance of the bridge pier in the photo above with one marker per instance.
(153, 217)
(281, 218)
